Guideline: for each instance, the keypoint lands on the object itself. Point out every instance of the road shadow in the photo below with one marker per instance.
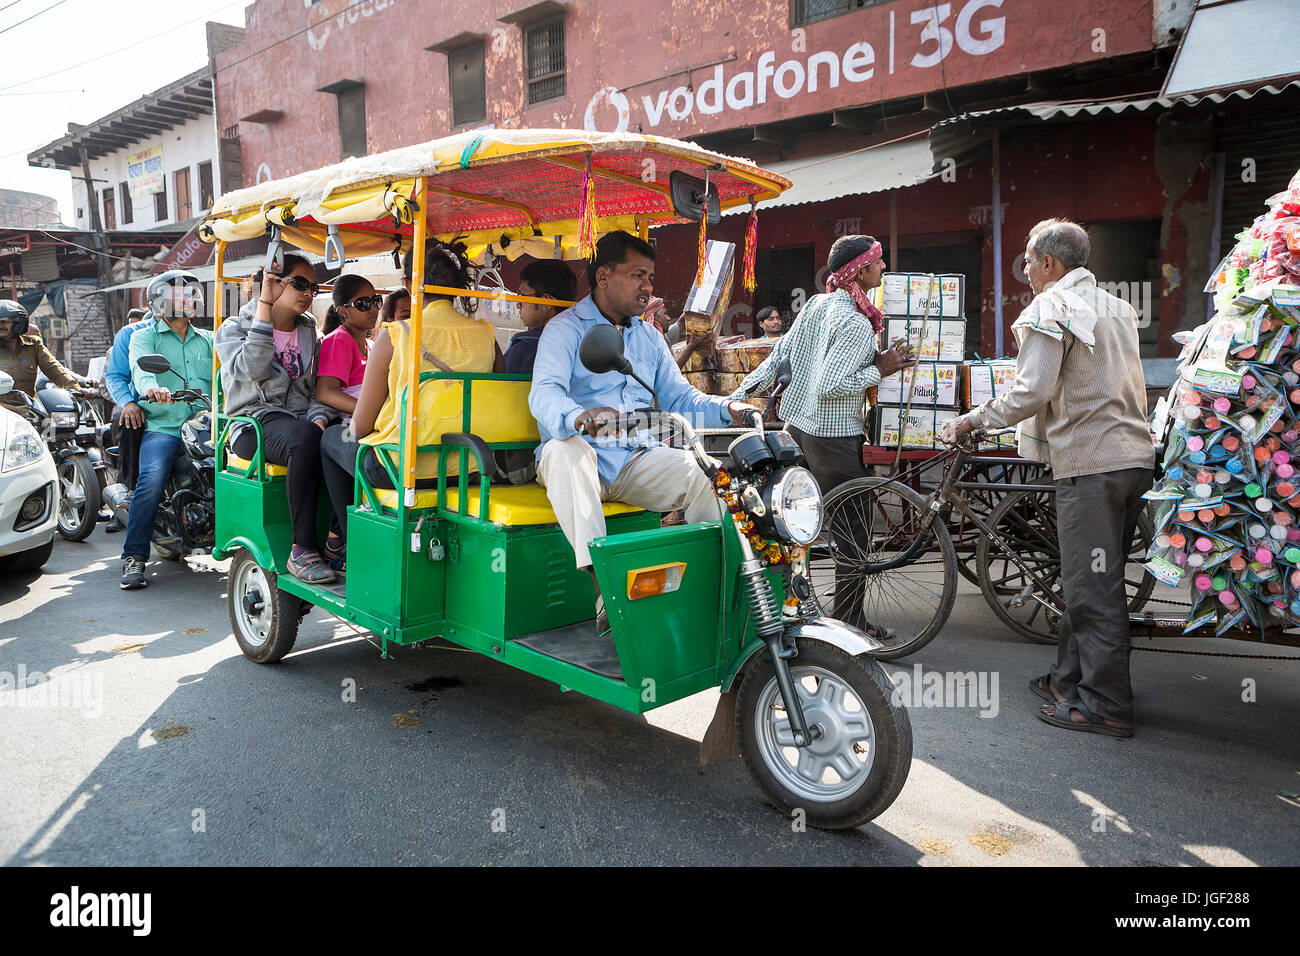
(437, 756)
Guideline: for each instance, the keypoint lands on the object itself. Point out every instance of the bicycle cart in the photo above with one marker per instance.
(884, 539)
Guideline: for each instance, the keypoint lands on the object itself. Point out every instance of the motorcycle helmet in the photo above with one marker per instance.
(11, 311)
(159, 293)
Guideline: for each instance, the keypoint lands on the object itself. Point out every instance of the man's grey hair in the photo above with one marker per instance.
(1063, 240)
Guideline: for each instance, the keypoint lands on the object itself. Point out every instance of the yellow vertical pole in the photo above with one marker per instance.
(643, 229)
(218, 313)
(413, 343)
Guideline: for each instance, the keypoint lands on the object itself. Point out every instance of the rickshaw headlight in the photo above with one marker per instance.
(795, 504)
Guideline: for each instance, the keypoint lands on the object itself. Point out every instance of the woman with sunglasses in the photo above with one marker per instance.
(349, 326)
(269, 354)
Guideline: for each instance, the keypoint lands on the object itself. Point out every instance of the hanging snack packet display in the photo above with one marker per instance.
(1228, 503)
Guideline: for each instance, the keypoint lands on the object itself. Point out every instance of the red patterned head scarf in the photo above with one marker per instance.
(842, 278)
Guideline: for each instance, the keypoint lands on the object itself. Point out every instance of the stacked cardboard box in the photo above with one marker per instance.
(905, 298)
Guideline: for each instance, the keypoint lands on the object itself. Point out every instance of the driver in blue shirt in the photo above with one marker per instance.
(583, 459)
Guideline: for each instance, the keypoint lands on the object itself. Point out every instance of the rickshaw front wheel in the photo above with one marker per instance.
(859, 762)
(264, 618)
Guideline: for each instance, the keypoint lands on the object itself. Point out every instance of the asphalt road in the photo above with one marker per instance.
(176, 750)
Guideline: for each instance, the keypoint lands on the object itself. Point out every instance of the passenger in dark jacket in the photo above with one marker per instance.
(543, 279)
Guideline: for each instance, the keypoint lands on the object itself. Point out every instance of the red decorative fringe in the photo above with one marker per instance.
(748, 279)
(587, 214)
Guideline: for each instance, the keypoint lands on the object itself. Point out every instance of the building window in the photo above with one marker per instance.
(783, 277)
(468, 84)
(205, 185)
(110, 213)
(128, 212)
(160, 202)
(804, 12)
(544, 53)
(184, 204)
(351, 97)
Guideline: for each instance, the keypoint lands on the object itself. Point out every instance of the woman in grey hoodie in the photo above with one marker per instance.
(269, 353)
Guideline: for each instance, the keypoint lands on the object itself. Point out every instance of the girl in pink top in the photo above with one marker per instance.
(350, 321)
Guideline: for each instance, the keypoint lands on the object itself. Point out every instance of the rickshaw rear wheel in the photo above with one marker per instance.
(859, 764)
(264, 618)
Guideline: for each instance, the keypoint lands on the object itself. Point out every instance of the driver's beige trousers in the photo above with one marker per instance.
(657, 479)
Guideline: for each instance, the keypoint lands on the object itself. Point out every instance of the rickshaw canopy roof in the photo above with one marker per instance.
(515, 190)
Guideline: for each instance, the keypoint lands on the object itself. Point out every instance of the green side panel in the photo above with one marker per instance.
(386, 579)
(508, 582)
(254, 515)
(667, 637)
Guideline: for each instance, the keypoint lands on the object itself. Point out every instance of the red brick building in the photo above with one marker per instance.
(895, 118)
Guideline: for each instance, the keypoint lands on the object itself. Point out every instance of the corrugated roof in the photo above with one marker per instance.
(959, 136)
(1236, 43)
(871, 170)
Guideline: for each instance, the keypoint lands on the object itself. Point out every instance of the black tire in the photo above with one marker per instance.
(1027, 521)
(77, 475)
(28, 560)
(909, 578)
(890, 752)
(264, 618)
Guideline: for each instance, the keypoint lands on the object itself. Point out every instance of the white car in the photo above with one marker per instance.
(29, 492)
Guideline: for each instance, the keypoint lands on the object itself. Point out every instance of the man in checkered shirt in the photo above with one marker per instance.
(833, 361)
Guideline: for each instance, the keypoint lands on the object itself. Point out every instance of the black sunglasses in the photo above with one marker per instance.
(365, 303)
(302, 284)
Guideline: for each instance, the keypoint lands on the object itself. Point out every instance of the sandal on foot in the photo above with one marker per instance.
(311, 569)
(1092, 724)
(1042, 686)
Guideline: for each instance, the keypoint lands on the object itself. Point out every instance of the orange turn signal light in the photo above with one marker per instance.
(661, 579)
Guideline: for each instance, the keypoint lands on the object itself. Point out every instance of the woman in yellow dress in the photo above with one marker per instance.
(451, 341)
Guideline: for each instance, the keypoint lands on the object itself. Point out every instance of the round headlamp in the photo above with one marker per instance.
(795, 504)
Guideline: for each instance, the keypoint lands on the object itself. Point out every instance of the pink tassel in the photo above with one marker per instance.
(748, 279)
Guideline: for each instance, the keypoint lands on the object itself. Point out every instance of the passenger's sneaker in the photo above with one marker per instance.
(133, 574)
(339, 565)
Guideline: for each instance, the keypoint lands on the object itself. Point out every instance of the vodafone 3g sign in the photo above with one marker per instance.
(976, 30)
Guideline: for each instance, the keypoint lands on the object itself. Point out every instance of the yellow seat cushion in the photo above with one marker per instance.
(507, 504)
(239, 464)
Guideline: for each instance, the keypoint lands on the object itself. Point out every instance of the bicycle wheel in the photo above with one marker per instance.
(1026, 520)
(966, 536)
(873, 565)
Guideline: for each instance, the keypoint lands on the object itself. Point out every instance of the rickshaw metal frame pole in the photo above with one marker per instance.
(218, 314)
(409, 435)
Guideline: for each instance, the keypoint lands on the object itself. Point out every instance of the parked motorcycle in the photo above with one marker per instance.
(58, 415)
(185, 521)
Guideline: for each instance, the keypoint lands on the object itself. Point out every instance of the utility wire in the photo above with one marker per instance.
(8, 5)
(56, 3)
(122, 49)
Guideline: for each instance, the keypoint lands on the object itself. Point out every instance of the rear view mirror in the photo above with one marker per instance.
(784, 373)
(154, 364)
(687, 195)
(601, 351)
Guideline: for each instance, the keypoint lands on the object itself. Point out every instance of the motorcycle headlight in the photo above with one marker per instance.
(64, 419)
(795, 504)
(22, 447)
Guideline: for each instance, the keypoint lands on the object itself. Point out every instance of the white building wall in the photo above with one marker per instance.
(183, 146)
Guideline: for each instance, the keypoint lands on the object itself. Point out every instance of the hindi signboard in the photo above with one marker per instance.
(144, 172)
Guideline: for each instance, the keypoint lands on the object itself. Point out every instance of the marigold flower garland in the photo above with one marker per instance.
(772, 552)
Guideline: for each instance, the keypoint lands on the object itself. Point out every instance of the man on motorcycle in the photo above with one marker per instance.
(581, 460)
(175, 298)
(23, 353)
(128, 416)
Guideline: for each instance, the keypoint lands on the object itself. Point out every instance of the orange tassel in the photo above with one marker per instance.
(702, 253)
(748, 279)
(587, 214)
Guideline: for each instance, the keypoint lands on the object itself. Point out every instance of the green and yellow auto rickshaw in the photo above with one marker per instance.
(482, 563)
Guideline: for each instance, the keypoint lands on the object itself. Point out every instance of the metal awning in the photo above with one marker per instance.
(1236, 43)
(871, 170)
(959, 137)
